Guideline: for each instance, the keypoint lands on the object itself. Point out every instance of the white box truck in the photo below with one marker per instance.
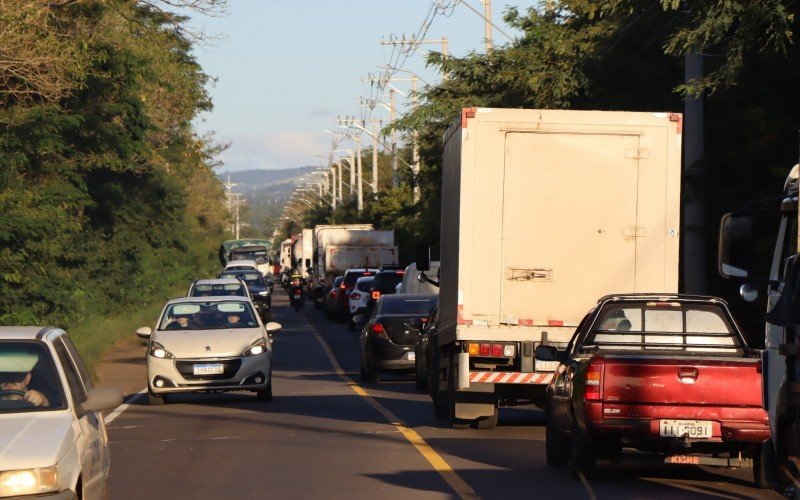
(543, 213)
(338, 248)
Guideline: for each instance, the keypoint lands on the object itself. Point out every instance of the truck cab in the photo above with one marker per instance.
(781, 392)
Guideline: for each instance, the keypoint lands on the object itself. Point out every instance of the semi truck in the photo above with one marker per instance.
(338, 248)
(738, 259)
(544, 211)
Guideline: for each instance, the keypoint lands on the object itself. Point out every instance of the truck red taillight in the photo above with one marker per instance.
(594, 382)
(355, 296)
(378, 330)
(376, 295)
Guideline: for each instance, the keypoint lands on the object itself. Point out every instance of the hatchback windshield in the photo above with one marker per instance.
(352, 277)
(387, 282)
(364, 284)
(28, 378)
(235, 289)
(417, 305)
(256, 255)
(252, 278)
(208, 316)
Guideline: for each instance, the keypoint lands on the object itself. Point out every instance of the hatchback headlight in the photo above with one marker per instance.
(256, 348)
(157, 351)
(28, 481)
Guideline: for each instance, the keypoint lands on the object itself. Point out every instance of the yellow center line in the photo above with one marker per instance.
(459, 486)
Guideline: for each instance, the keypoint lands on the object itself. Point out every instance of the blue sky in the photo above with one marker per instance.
(286, 68)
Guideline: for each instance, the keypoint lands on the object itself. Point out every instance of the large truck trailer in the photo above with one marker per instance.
(544, 212)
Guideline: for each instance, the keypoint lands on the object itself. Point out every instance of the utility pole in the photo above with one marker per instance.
(487, 18)
(392, 115)
(414, 43)
(360, 189)
(333, 186)
(415, 139)
(374, 161)
(694, 210)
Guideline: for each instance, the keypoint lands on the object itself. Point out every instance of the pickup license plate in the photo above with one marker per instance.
(545, 366)
(208, 369)
(411, 356)
(696, 429)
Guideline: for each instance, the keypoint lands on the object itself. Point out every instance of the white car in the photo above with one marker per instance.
(53, 439)
(358, 298)
(205, 344)
(240, 265)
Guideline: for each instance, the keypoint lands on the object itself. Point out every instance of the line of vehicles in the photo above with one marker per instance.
(558, 287)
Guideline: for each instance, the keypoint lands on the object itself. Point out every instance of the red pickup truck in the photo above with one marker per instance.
(667, 374)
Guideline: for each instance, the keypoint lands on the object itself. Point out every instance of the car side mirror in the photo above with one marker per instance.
(358, 319)
(273, 327)
(102, 399)
(144, 332)
(549, 353)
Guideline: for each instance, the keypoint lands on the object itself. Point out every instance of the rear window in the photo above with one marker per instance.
(413, 305)
(217, 290)
(387, 282)
(665, 326)
(352, 276)
(364, 284)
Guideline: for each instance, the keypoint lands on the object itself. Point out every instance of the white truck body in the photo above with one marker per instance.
(286, 254)
(340, 247)
(543, 213)
(307, 253)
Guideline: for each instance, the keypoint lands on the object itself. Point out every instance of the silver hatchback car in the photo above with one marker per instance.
(203, 344)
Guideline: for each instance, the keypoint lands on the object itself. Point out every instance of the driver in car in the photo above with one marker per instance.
(15, 376)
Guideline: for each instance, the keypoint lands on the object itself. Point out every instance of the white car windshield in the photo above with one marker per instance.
(220, 315)
(28, 378)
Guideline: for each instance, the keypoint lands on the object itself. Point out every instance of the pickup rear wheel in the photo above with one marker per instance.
(557, 446)
(582, 458)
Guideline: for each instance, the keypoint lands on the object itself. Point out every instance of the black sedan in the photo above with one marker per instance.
(387, 339)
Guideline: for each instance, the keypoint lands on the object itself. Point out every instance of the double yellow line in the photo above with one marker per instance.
(459, 486)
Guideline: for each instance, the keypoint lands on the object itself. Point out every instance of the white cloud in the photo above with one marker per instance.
(274, 151)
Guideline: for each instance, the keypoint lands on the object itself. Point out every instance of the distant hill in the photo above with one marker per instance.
(249, 179)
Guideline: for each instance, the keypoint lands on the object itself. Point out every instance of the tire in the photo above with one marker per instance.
(266, 394)
(489, 423)
(760, 470)
(154, 400)
(369, 374)
(351, 326)
(420, 383)
(582, 458)
(556, 444)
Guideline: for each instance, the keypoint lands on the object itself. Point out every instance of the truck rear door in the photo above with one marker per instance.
(569, 221)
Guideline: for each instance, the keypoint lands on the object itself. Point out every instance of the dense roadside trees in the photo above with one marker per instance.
(108, 197)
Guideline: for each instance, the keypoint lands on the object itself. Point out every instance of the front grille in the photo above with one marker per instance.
(229, 369)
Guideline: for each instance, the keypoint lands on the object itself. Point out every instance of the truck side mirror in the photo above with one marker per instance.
(736, 246)
(423, 257)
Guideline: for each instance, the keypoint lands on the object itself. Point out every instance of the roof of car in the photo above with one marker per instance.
(660, 297)
(181, 300)
(218, 281)
(407, 296)
(232, 263)
(24, 332)
(362, 270)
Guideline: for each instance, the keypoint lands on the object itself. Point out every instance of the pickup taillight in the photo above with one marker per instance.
(355, 296)
(594, 381)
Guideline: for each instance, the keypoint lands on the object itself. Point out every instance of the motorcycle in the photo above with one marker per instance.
(296, 298)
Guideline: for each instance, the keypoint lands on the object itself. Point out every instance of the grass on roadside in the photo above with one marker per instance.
(99, 333)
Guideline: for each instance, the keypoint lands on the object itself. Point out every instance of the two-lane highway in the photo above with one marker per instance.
(327, 435)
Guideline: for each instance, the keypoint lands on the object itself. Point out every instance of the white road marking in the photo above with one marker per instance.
(124, 406)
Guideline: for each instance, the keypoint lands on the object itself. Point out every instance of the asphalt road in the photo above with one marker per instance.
(326, 435)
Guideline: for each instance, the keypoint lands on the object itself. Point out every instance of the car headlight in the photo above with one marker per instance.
(256, 348)
(157, 351)
(264, 293)
(28, 481)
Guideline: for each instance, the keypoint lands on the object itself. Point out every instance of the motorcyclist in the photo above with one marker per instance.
(296, 284)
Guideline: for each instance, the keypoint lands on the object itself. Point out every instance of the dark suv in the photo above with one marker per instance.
(385, 283)
(345, 288)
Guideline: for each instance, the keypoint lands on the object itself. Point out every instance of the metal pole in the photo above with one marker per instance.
(352, 174)
(394, 136)
(487, 16)
(694, 244)
(360, 176)
(339, 164)
(415, 139)
(333, 186)
(374, 161)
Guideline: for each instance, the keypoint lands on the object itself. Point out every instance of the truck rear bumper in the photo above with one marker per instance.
(543, 378)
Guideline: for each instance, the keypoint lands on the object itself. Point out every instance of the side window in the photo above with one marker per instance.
(578, 331)
(76, 387)
(76, 358)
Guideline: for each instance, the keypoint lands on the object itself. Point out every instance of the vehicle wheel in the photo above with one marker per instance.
(490, 422)
(455, 423)
(420, 382)
(369, 373)
(266, 394)
(154, 400)
(582, 458)
(556, 445)
(761, 463)
(351, 326)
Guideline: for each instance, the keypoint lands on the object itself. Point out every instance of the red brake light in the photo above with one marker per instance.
(594, 382)
(367, 274)
(401, 273)
(355, 296)
(485, 349)
(497, 350)
(376, 295)
(342, 286)
(333, 293)
(378, 330)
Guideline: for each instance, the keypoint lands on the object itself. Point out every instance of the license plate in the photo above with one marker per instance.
(411, 356)
(697, 429)
(545, 366)
(208, 369)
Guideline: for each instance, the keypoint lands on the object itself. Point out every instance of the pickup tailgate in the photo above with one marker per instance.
(650, 380)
